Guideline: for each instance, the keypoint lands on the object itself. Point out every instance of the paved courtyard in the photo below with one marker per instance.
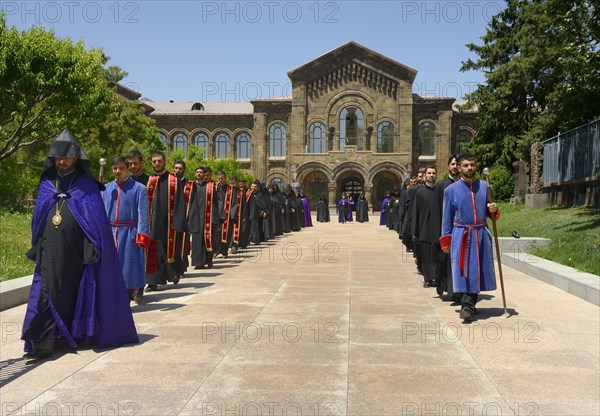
(329, 321)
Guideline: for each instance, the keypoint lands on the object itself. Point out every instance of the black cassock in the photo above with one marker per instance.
(322, 210)
(244, 208)
(182, 243)
(444, 268)
(159, 229)
(61, 277)
(276, 217)
(258, 205)
(196, 224)
(426, 231)
(362, 211)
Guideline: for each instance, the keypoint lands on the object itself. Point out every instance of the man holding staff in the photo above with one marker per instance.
(465, 235)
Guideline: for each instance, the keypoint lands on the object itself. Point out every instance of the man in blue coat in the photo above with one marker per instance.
(78, 292)
(466, 237)
(126, 204)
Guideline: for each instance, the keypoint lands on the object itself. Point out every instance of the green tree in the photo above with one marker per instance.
(47, 83)
(541, 61)
(195, 158)
(126, 128)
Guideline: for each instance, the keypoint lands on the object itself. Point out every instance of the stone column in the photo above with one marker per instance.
(536, 168)
(368, 190)
(333, 197)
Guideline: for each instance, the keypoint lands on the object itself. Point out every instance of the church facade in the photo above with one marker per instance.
(352, 123)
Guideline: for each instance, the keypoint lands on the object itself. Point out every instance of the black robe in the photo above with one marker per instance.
(323, 210)
(218, 223)
(276, 217)
(362, 211)
(444, 268)
(165, 271)
(196, 225)
(425, 231)
(62, 252)
(182, 242)
(244, 208)
(258, 206)
(141, 178)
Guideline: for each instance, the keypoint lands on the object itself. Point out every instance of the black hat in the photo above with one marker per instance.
(66, 145)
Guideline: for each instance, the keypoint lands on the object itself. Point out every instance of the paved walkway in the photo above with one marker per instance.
(329, 321)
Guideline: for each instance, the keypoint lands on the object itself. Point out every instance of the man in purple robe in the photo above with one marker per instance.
(126, 204)
(466, 237)
(342, 209)
(78, 292)
(384, 209)
(306, 211)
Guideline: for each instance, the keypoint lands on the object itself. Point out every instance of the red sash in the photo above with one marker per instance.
(208, 215)
(171, 233)
(187, 190)
(236, 226)
(151, 257)
(248, 194)
(228, 198)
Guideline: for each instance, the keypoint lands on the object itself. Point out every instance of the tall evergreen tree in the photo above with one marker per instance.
(541, 60)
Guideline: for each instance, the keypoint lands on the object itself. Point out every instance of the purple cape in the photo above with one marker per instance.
(307, 219)
(102, 312)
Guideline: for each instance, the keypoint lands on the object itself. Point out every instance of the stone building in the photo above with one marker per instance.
(352, 123)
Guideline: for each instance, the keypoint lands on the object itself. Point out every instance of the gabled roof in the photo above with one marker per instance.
(343, 55)
(125, 91)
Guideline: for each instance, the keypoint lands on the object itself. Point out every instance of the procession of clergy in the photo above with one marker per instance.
(87, 263)
(176, 217)
(172, 217)
(444, 225)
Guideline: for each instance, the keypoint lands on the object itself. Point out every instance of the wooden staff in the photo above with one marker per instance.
(101, 173)
(486, 173)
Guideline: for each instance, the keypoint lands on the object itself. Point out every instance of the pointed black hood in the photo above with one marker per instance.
(66, 145)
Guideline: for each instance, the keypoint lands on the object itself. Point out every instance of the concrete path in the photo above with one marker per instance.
(329, 321)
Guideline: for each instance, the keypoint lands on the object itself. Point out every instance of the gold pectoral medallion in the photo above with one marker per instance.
(56, 219)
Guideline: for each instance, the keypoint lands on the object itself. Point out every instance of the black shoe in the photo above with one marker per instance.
(176, 279)
(426, 284)
(152, 288)
(199, 267)
(466, 314)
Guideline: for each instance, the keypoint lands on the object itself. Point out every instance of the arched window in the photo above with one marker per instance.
(463, 138)
(201, 142)
(427, 139)
(316, 138)
(180, 141)
(242, 146)
(277, 135)
(385, 137)
(163, 139)
(222, 146)
(351, 128)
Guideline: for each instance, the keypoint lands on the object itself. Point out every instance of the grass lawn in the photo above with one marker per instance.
(574, 233)
(15, 240)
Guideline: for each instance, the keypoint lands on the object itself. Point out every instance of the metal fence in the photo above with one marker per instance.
(573, 155)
